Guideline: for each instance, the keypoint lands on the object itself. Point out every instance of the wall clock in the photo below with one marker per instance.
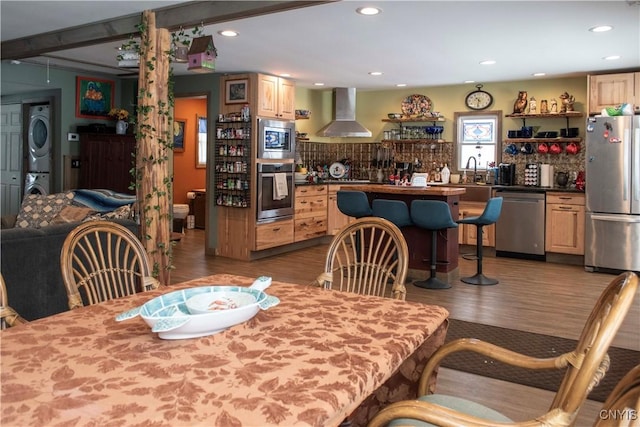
(478, 99)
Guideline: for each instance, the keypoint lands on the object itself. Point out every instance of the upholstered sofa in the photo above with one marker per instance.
(30, 247)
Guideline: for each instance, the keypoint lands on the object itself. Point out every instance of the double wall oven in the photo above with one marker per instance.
(275, 170)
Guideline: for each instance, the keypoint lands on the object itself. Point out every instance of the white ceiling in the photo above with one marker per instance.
(419, 43)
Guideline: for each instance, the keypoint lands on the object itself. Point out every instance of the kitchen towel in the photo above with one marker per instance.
(546, 175)
(280, 190)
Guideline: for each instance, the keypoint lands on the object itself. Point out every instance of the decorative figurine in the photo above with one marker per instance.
(520, 106)
(533, 106)
(544, 109)
(554, 105)
(567, 102)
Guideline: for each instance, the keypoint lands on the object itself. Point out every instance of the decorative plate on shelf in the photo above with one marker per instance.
(416, 106)
(337, 170)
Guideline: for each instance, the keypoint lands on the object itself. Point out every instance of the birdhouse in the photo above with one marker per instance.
(202, 55)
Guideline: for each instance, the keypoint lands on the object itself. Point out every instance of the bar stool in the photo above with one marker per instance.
(354, 203)
(432, 215)
(395, 211)
(489, 216)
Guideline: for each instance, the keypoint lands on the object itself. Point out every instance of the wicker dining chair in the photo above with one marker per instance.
(8, 316)
(104, 260)
(622, 407)
(584, 367)
(369, 257)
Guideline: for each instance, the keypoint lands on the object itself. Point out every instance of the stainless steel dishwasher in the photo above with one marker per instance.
(520, 227)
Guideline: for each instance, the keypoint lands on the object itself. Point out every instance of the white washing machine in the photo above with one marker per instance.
(39, 139)
(37, 183)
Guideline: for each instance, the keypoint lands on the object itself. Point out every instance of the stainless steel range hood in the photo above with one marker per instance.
(344, 123)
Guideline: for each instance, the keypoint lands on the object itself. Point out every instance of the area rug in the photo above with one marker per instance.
(536, 345)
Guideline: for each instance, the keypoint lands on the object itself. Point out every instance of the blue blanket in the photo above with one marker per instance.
(102, 200)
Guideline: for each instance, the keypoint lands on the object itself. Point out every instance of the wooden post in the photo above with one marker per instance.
(154, 139)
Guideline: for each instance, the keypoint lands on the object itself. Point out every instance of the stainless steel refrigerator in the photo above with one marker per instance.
(612, 229)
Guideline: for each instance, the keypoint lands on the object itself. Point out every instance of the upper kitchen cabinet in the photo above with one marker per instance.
(608, 90)
(276, 97)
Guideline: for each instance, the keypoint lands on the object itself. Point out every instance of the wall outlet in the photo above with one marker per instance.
(75, 163)
(71, 136)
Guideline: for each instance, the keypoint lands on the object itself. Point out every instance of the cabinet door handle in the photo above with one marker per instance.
(303, 202)
(566, 208)
(565, 198)
(275, 230)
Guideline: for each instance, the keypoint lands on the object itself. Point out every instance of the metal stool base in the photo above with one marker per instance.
(432, 283)
(480, 280)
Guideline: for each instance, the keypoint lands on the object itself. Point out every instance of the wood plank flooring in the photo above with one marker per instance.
(532, 296)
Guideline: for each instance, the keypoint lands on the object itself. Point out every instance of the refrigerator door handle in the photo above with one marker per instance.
(635, 169)
(626, 143)
(631, 219)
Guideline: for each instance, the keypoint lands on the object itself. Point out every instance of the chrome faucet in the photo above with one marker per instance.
(475, 167)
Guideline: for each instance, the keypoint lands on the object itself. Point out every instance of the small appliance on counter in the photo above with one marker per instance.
(506, 174)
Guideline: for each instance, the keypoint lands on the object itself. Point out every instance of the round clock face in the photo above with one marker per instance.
(478, 100)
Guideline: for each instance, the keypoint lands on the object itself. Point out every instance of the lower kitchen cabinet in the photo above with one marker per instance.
(336, 220)
(565, 223)
(274, 234)
(468, 233)
(310, 217)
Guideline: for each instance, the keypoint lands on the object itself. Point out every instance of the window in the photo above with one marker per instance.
(477, 135)
(201, 153)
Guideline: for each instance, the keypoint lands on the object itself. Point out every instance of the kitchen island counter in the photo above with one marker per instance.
(419, 239)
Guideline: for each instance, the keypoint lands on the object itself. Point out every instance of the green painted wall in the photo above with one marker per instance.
(373, 106)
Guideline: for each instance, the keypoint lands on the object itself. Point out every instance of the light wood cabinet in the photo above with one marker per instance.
(608, 90)
(564, 231)
(274, 234)
(336, 220)
(276, 97)
(310, 218)
(468, 233)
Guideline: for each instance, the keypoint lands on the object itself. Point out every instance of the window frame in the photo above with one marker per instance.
(457, 152)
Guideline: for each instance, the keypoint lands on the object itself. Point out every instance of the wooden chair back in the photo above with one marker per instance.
(622, 407)
(588, 363)
(368, 257)
(8, 316)
(103, 260)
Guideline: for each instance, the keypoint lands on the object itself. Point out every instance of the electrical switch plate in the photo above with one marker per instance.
(73, 136)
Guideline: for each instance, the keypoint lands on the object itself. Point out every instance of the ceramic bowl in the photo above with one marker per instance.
(171, 318)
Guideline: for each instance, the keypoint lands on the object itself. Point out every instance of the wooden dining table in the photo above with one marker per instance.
(318, 358)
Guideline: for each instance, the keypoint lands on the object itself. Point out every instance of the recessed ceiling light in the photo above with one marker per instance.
(228, 33)
(375, 73)
(15, 62)
(318, 84)
(539, 74)
(285, 75)
(469, 81)
(611, 58)
(401, 84)
(601, 28)
(368, 11)
(487, 62)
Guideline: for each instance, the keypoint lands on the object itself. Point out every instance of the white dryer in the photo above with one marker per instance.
(39, 140)
(37, 183)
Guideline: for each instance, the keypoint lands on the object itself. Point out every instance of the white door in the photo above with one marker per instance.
(10, 158)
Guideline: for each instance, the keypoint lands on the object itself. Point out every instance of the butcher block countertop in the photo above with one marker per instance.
(412, 191)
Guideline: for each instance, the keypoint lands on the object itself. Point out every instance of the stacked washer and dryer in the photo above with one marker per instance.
(39, 151)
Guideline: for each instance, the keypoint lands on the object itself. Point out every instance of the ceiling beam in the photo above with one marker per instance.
(186, 15)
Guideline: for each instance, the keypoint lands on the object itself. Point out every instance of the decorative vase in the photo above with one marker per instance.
(121, 127)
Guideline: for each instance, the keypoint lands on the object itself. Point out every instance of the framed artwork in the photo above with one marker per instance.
(237, 92)
(179, 126)
(94, 97)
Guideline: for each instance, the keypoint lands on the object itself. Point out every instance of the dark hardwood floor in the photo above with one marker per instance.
(532, 296)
